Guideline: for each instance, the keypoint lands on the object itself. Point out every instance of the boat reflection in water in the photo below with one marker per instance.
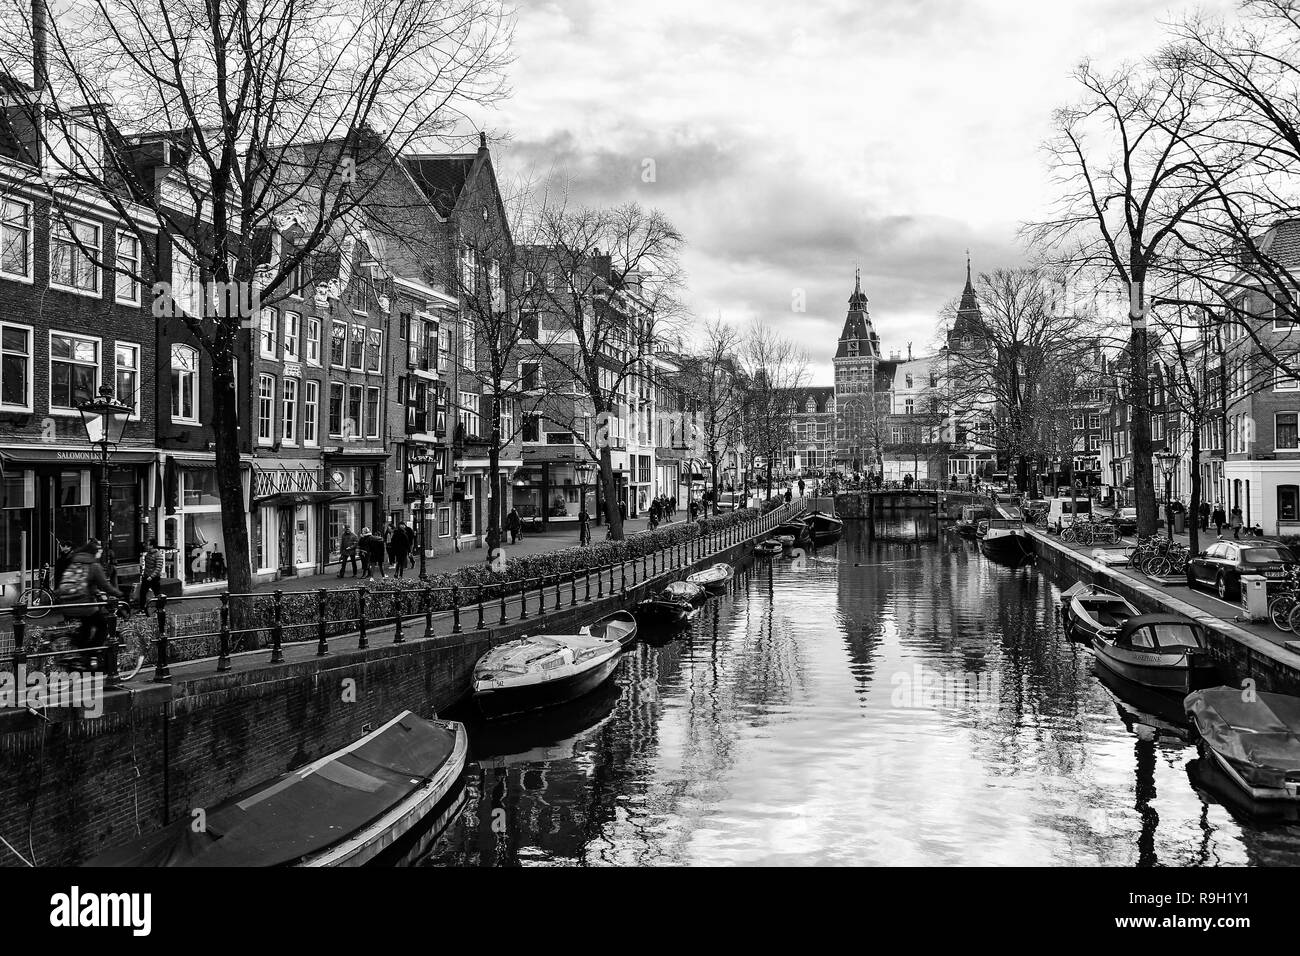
(1146, 712)
(549, 734)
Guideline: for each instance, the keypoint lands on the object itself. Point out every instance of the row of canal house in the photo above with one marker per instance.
(368, 360)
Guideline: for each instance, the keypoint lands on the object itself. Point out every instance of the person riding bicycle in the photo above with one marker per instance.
(81, 586)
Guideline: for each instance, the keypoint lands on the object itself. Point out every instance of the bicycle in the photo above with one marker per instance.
(39, 598)
(1281, 604)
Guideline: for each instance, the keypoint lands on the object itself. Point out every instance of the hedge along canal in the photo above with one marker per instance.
(1273, 668)
(71, 786)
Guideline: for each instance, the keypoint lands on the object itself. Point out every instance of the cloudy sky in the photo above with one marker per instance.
(793, 143)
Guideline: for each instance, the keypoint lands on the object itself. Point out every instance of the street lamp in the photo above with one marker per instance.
(1168, 462)
(584, 470)
(104, 419)
(422, 487)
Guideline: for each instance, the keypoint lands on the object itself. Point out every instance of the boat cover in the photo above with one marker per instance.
(1261, 737)
(714, 575)
(682, 591)
(304, 811)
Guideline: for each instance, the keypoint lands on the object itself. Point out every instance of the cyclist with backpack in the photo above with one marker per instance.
(82, 584)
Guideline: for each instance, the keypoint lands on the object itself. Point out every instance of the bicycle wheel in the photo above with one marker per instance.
(1086, 536)
(1293, 619)
(39, 601)
(1279, 611)
(1157, 566)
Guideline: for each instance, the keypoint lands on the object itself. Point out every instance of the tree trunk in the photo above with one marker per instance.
(611, 494)
(713, 473)
(234, 509)
(1144, 488)
(1194, 508)
(494, 488)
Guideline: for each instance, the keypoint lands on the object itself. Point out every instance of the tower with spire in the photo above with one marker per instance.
(858, 384)
(967, 330)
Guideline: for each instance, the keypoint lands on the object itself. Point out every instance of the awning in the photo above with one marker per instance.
(469, 464)
(36, 455)
(299, 497)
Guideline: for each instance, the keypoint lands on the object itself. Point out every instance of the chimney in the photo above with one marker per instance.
(482, 141)
(909, 351)
(39, 71)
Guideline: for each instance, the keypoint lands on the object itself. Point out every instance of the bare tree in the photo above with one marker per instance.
(187, 117)
(713, 382)
(607, 281)
(775, 371)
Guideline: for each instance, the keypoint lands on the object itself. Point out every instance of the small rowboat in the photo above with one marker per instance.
(340, 810)
(1163, 651)
(715, 578)
(786, 541)
(770, 547)
(548, 669)
(798, 530)
(675, 604)
(1090, 610)
(1254, 738)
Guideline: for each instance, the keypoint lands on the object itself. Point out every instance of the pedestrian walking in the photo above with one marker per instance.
(513, 523)
(348, 551)
(1204, 511)
(656, 511)
(1236, 522)
(801, 486)
(151, 567)
(622, 508)
(1218, 519)
(584, 527)
(402, 540)
(788, 496)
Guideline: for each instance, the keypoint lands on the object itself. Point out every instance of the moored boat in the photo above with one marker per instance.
(715, 578)
(1254, 737)
(1163, 651)
(1088, 610)
(340, 810)
(798, 530)
(675, 604)
(823, 526)
(771, 547)
(1004, 539)
(968, 524)
(548, 669)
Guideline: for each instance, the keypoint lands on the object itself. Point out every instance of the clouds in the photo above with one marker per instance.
(793, 143)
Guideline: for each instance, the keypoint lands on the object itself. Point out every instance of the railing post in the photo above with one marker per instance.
(523, 599)
(428, 609)
(481, 625)
(161, 672)
(398, 636)
(600, 583)
(362, 641)
(223, 651)
(622, 574)
(643, 567)
(455, 609)
(587, 578)
(573, 589)
(322, 640)
(558, 599)
(277, 629)
(503, 605)
(20, 630)
(111, 676)
(654, 562)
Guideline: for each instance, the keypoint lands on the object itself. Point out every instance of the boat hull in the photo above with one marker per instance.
(1005, 547)
(1289, 794)
(505, 701)
(1181, 673)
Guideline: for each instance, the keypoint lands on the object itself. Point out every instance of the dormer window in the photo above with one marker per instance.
(74, 149)
(810, 406)
(967, 342)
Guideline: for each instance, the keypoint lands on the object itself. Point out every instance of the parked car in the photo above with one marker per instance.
(1224, 562)
(1127, 519)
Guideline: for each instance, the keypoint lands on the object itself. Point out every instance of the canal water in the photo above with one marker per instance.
(893, 699)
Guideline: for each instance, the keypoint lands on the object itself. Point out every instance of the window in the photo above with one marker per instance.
(310, 411)
(15, 367)
(528, 324)
(74, 370)
(357, 347)
(187, 292)
(468, 412)
(185, 383)
(374, 349)
(1285, 380)
(313, 341)
(467, 342)
(292, 332)
(1285, 431)
(1094, 443)
(506, 424)
(444, 522)
(1094, 421)
(127, 275)
(1288, 502)
(339, 344)
(290, 428)
(532, 428)
(74, 248)
(353, 423)
(909, 406)
(530, 375)
(372, 411)
(336, 409)
(270, 332)
(908, 380)
(126, 377)
(265, 408)
(74, 150)
(15, 239)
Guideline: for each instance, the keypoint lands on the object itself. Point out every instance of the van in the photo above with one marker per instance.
(1061, 511)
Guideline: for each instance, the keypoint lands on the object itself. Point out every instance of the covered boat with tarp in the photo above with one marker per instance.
(548, 669)
(340, 810)
(675, 604)
(1253, 735)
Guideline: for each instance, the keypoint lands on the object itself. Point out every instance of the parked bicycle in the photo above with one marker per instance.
(1285, 600)
(39, 598)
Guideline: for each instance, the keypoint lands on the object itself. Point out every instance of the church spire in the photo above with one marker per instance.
(858, 300)
(969, 302)
(859, 339)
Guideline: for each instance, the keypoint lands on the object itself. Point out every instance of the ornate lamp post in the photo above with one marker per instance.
(422, 487)
(1168, 464)
(104, 419)
(584, 470)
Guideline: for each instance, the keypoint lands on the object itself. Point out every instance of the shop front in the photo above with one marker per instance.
(472, 496)
(193, 543)
(51, 494)
(290, 505)
(357, 486)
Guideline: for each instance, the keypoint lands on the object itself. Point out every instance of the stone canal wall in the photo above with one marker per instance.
(71, 787)
(1273, 668)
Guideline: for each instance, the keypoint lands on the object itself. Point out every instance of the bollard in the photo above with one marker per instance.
(481, 625)
(573, 589)
(223, 653)
(362, 641)
(109, 662)
(455, 609)
(503, 605)
(277, 629)
(322, 641)
(161, 672)
(20, 629)
(428, 609)
(398, 636)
